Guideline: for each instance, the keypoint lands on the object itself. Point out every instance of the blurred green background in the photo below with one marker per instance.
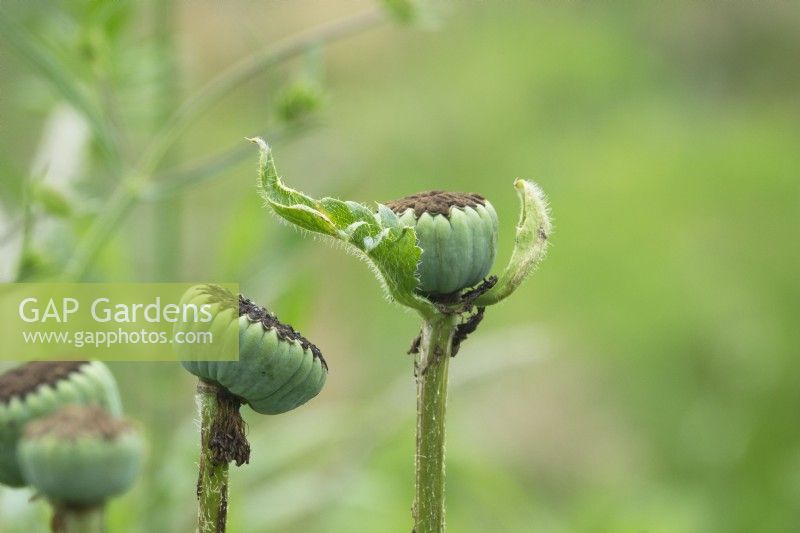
(645, 379)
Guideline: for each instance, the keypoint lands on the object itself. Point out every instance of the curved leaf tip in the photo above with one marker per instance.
(388, 246)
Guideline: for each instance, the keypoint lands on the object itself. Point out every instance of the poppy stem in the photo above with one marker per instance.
(431, 369)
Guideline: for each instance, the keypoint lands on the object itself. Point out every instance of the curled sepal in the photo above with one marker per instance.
(530, 243)
(389, 248)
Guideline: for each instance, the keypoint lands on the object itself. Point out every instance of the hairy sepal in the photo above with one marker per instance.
(530, 244)
(380, 238)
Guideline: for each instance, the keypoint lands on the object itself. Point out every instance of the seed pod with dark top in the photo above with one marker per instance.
(278, 369)
(439, 270)
(37, 389)
(80, 455)
(458, 236)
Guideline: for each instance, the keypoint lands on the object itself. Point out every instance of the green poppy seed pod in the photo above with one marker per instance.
(278, 369)
(80, 455)
(37, 389)
(458, 236)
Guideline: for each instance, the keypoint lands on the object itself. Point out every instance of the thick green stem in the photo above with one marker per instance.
(212, 481)
(432, 363)
(69, 519)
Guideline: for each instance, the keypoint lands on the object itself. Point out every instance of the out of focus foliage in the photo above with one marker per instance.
(648, 380)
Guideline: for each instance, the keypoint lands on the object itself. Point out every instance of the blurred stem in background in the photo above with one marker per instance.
(152, 176)
(167, 228)
(129, 191)
(59, 76)
(166, 240)
(28, 221)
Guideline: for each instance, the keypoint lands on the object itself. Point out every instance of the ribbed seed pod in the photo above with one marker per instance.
(80, 455)
(37, 389)
(278, 369)
(458, 236)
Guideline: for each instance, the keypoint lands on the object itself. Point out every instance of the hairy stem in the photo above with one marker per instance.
(212, 480)
(431, 365)
(70, 519)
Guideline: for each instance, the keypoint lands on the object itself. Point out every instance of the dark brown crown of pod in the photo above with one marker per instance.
(25, 379)
(436, 202)
(74, 421)
(270, 322)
